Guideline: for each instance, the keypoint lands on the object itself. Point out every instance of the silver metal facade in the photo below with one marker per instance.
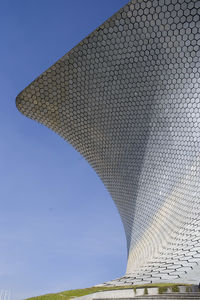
(127, 98)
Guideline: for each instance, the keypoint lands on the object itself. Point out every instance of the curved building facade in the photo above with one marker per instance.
(128, 99)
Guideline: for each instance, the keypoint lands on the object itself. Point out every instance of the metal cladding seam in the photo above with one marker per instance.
(127, 98)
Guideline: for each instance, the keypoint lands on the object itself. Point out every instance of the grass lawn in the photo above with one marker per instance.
(66, 295)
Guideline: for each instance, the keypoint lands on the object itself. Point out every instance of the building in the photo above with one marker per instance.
(127, 98)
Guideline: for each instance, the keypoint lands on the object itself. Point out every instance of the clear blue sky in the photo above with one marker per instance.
(59, 228)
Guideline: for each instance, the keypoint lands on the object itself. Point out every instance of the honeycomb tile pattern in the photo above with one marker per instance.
(127, 98)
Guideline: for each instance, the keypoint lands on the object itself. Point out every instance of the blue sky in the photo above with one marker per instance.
(59, 228)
